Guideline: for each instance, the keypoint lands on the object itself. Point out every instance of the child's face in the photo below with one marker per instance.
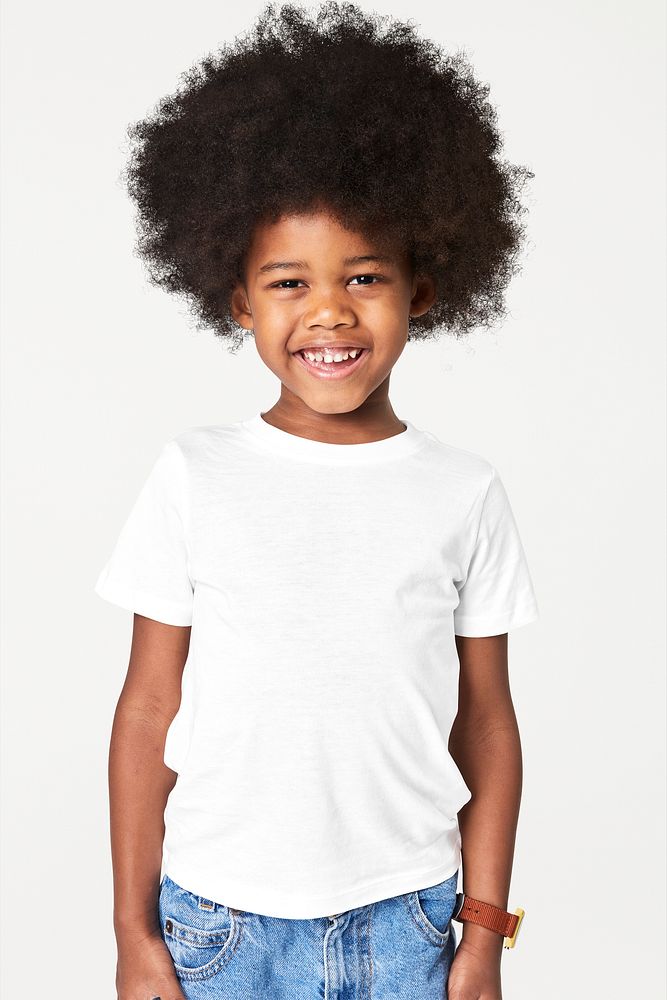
(302, 290)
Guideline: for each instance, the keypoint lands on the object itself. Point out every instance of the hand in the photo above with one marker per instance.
(475, 971)
(145, 969)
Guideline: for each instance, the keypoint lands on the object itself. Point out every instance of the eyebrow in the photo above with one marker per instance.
(295, 265)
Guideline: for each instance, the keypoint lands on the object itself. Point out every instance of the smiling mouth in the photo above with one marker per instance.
(337, 364)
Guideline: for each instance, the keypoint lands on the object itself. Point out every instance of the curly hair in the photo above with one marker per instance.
(338, 110)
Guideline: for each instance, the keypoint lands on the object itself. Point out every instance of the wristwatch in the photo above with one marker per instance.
(488, 915)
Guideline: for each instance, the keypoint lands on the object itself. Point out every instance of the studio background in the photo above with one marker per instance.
(565, 398)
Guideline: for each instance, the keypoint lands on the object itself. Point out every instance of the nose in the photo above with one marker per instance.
(329, 309)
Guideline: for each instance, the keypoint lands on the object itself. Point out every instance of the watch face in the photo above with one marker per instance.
(460, 896)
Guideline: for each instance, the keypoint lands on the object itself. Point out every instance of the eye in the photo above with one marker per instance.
(281, 284)
(288, 284)
(376, 277)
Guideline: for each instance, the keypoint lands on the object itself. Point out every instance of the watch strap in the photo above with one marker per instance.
(487, 915)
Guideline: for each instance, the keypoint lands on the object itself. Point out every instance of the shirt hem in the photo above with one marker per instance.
(496, 625)
(230, 893)
(143, 604)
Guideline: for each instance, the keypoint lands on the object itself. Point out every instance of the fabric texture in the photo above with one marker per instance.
(399, 948)
(324, 585)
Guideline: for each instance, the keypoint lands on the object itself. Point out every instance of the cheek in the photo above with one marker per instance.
(388, 316)
(273, 329)
(272, 352)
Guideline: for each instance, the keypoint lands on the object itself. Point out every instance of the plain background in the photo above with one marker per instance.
(565, 398)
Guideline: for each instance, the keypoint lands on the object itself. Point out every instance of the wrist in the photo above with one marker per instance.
(485, 942)
(133, 929)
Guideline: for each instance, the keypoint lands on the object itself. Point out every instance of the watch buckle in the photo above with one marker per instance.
(511, 941)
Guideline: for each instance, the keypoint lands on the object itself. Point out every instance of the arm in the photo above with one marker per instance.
(139, 781)
(485, 744)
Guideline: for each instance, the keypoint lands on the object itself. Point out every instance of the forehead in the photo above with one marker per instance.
(307, 239)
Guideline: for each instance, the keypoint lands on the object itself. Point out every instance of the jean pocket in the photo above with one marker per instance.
(432, 909)
(200, 940)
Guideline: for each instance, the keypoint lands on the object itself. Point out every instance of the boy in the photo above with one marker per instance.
(321, 592)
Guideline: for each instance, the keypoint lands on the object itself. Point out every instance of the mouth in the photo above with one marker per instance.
(339, 363)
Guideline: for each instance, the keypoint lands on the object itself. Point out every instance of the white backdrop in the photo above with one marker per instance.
(566, 398)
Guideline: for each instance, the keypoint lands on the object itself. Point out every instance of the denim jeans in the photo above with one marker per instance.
(400, 948)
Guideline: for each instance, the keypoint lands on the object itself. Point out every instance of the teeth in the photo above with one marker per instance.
(328, 358)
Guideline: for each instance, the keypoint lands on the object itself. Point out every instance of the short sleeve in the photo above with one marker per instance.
(148, 570)
(497, 593)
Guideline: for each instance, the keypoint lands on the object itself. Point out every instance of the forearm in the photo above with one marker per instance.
(139, 785)
(490, 760)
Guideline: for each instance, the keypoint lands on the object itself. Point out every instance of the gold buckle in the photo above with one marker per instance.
(509, 942)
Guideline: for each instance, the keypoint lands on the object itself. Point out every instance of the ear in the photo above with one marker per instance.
(423, 295)
(239, 306)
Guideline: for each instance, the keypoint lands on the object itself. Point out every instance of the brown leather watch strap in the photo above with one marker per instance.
(487, 915)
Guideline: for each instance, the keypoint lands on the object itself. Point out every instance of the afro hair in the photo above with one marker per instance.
(340, 109)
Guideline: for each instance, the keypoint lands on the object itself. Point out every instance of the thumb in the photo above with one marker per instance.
(169, 990)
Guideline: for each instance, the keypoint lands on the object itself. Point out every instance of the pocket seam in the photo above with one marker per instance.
(206, 938)
(195, 936)
(423, 924)
(218, 962)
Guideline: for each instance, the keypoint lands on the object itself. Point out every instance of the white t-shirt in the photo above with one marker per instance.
(324, 584)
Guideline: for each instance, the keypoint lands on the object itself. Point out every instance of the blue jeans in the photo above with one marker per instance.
(400, 948)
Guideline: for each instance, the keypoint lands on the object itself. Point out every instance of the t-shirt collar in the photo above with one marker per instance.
(403, 443)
